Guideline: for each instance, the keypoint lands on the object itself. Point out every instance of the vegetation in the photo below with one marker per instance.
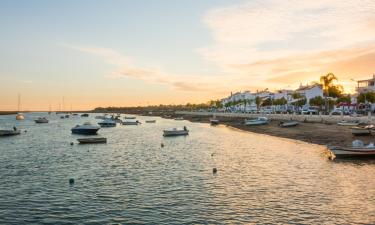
(281, 101)
(317, 101)
(368, 97)
(330, 89)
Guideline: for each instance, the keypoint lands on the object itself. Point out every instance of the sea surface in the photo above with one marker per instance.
(133, 180)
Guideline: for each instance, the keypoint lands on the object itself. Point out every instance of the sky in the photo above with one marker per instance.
(140, 52)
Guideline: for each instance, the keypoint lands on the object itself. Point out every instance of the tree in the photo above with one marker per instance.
(366, 97)
(317, 101)
(329, 88)
(267, 102)
(301, 102)
(258, 101)
(280, 101)
(296, 95)
(344, 99)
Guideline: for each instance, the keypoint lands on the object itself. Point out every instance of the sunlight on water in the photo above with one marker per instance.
(132, 179)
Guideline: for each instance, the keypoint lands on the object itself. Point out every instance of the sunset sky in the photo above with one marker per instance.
(139, 52)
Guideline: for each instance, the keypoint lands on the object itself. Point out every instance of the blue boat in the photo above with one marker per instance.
(87, 128)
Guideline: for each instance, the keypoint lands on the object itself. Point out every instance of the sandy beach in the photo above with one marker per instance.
(311, 132)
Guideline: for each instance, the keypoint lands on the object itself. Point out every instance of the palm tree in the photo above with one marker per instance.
(327, 81)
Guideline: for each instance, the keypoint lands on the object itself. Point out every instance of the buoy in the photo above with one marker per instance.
(71, 143)
(71, 181)
(162, 145)
(25, 131)
(214, 170)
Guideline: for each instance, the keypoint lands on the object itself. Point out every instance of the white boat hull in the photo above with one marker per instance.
(351, 151)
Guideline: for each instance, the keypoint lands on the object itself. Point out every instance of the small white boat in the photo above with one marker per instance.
(357, 149)
(257, 121)
(288, 124)
(175, 132)
(107, 123)
(13, 132)
(214, 121)
(179, 118)
(100, 117)
(130, 117)
(41, 120)
(130, 122)
(348, 123)
(92, 140)
(361, 130)
(150, 121)
(86, 128)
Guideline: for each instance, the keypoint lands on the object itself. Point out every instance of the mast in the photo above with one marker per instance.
(19, 103)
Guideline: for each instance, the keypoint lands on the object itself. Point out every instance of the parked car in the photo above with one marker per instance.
(310, 110)
(339, 111)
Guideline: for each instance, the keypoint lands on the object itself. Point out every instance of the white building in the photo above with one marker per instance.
(366, 85)
(310, 91)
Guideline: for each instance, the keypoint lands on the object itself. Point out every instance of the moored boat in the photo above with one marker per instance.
(41, 120)
(85, 115)
(348, 123)
(214, 121)
(175, 132)
(130, 122)
(366, 130)
(86, 128)
(130, 117)
(92, 140)
(357, 149)
(107, 123)
(179, 118)
(150, 121)
(13, 132)
(288, 123)
(257, 121)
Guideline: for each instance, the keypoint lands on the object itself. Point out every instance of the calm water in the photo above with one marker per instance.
(131, 179)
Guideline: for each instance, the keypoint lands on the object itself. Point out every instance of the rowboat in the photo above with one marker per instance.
(129, 122)
(348, 123)
(214, 121)
(175, 132)
(41, 120)
(257, 121)
(9, 132)
(92, 140)
(357, 149)
(289, 124)
(366, 130)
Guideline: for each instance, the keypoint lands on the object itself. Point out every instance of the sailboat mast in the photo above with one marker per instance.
(19, 103)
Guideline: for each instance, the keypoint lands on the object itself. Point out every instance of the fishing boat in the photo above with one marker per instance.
(130, 117)
(150, 121)
(366, 130)
(348, 123)
(86, 128)
(85, 115)
(41, 120)
(19, 115)
(175, 132)
(92, 140)
(13, 132)
(357, 149)
(288, 124)
(130, 122)
(107, 123)
(257, 121)
(179, 118)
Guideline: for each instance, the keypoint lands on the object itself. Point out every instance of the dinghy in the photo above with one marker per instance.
(13, 132)
(107, 123)
(130, 122)
(179, 118)
(366, 130)
(257, 121)
(357, 149)
(175, 132)
(41, 120)
(348, 123)
(288, 124)
(92, 140)
(150, 121)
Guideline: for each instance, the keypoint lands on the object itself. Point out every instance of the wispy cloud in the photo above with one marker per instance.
(269, 40)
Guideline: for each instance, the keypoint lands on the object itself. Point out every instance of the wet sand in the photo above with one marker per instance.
(317, 133)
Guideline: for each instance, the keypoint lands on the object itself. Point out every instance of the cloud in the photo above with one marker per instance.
(278, 42)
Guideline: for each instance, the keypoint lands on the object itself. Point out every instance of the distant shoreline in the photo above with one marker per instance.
(7, 112)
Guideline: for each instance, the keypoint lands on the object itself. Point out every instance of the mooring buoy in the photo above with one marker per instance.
(71, 181)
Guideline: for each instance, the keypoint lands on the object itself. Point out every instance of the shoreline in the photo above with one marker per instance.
(309, 132)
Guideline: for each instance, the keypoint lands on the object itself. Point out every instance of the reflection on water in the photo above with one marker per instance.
(132, 179)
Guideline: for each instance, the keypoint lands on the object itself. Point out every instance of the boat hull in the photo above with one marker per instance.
(4, 133)
(353, 152)
(107, 124)
(150, 121)
(92, 140)
(361, 131)
(288, 124)
(168, 133)
(85, 131)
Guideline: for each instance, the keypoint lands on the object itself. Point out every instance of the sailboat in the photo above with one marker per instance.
(19, 115)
